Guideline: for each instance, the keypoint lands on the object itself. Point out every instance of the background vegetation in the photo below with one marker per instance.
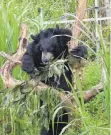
(22, 116)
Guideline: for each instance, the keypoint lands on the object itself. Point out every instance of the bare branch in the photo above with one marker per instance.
(7, 68)
(76, 30)
(67, 98)
(89, 94)
(8, 57)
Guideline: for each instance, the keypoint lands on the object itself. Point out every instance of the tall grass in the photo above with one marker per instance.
(9, 31)
(105, 54)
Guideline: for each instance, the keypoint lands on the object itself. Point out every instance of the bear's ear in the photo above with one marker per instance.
(32, 36)
(57, 27)
(56, 30)
(66, 32)
(65, 35)
(36, 38)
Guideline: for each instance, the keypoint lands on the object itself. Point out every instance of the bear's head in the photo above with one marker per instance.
(52, 42)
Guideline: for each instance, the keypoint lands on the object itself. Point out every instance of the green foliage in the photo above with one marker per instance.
(21, 109)
(92, 75)
(9, 29)
(55, 68)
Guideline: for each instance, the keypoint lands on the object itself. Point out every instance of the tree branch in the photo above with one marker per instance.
(7, 68)
(79, 17)
(8, 57)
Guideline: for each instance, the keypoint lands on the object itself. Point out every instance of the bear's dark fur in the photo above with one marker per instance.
(48, 45)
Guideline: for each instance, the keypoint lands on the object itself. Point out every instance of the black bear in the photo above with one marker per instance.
(48, 45)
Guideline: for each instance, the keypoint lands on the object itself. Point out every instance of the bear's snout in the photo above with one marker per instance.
(47, 57)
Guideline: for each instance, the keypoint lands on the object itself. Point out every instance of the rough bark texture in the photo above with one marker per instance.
(79, 17)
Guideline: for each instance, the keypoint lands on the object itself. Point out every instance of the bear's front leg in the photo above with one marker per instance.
(28, 65)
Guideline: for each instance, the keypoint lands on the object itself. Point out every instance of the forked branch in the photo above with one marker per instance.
(15, 59)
